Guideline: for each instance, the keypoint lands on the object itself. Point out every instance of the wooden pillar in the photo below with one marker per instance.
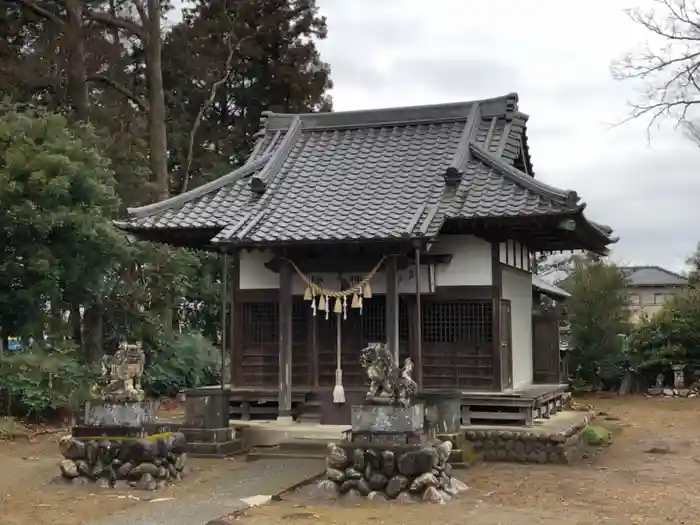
(497, 286)
(285, 339)
(313, 350)
(234, 336)
(392, 306)
(224, 316)
(418, 331)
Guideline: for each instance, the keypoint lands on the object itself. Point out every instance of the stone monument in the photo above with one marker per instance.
(678, 376)
(119, 438)
(388, 453)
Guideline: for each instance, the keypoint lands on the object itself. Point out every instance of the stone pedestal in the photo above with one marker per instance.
(130, 415)
(388, 424)
(207, 423)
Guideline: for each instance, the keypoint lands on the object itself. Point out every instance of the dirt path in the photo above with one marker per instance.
(623, 485)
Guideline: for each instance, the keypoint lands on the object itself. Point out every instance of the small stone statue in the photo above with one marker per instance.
(387, 382)
(122, 374)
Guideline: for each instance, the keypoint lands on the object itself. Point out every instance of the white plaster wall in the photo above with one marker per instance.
(470, 264)
(254, 275)
(517, 287)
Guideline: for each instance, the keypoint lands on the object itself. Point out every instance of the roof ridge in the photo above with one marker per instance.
(510, 97)
(392, 116)
(525, 180)
(239, 173)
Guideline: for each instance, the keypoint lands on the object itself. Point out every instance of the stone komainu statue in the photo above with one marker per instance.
(122, 374)
(387, 382)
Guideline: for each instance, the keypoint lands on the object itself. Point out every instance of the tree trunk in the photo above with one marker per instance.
(93, 333)
(76, 324)
(77, 77)
(157, 134)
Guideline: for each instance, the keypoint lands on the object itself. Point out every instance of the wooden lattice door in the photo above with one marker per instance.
(259, 345)
(457, 344)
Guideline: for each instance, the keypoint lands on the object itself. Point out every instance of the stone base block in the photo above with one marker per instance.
(84, 431)
(216, 450)
(388, 439)
(209, 435)
(387, 418)
(133, 415)
(206, 408)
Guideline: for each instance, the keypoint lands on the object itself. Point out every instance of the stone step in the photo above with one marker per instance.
(310, 444)
(277, 452)
(216, 450)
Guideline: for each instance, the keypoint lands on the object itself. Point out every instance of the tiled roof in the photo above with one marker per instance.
(653, 276)
(363, 175)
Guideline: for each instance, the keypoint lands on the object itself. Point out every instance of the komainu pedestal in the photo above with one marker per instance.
(388, 424)
(388, 453)
(127, 416)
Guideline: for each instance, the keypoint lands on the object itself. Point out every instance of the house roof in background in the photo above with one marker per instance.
(653, 276)
(371, 175)
(549, 289)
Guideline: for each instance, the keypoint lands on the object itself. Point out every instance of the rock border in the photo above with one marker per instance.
(529, 447)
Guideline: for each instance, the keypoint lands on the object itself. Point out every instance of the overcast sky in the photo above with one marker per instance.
(556, 54)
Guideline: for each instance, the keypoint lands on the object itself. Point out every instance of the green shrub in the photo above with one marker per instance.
(181, 361)
(44, 379)
(596, 436)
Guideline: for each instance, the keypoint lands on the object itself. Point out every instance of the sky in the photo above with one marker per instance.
(556, 55)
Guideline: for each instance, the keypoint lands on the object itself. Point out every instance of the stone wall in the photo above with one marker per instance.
(147, 464)
(403, 473)
(528, 446)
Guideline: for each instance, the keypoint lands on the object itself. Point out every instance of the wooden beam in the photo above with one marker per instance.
(352, 263)
(285, 342)
(392, 305)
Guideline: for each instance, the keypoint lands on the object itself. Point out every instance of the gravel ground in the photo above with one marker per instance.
(643, 478)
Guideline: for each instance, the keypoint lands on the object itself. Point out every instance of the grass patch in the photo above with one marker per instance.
(596, 436)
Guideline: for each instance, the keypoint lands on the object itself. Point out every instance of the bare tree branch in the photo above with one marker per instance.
(41, 11)
(141, 9)
(232, 50)
(669, 69)
(121, 89)
(115, 21)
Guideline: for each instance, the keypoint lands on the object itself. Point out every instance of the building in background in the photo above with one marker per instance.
(649, 287)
